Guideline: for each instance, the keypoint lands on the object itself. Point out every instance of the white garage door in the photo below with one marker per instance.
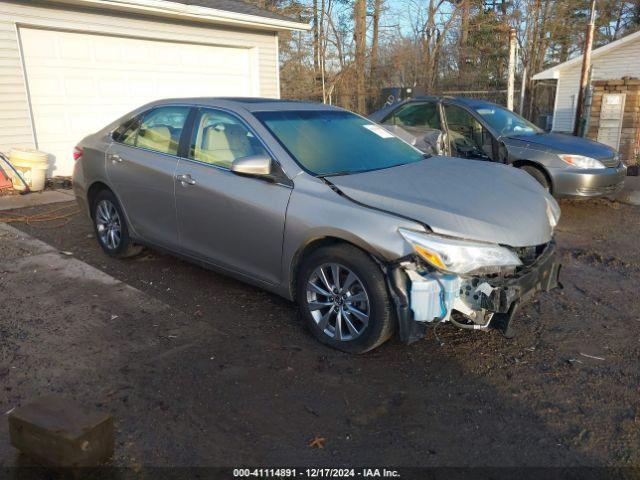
(78, 83)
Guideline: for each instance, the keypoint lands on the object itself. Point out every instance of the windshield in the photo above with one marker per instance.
(505, 122)
(326, 142)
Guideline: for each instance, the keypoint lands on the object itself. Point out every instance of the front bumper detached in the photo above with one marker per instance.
(543, 275)
(482, 301)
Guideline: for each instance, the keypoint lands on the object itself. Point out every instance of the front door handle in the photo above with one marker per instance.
(185, 179)
(115, 158)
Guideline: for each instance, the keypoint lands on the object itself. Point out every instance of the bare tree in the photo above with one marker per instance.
(360, 39)
(433, 45)
(465, 12)
(316, 35)
(373, 62)
(434, 33)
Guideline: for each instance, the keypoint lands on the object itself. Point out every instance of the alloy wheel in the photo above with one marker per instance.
(108, 224)
(338, 302)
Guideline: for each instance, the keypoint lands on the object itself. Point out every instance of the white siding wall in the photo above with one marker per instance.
(15, 120)
(612, 65)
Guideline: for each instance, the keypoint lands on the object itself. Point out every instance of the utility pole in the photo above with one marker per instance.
(586, 65)
(523, 86)
(512, 68)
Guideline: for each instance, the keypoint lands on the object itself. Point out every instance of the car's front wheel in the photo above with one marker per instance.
(343, 299)
(111, 227)
(540, 177)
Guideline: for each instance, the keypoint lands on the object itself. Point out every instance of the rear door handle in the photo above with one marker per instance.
(185, 179)
(115, 158)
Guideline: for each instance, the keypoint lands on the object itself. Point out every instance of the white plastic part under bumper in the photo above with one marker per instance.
(434, 296)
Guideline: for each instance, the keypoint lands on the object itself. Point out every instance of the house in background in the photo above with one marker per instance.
(614, 117)
(70, 67)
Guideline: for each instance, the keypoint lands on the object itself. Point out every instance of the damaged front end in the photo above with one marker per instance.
(480, 299)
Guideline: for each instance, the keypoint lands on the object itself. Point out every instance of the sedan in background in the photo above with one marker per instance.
(323, 207)
(564, 165)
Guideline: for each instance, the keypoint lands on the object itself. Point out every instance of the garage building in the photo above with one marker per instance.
(69, 67)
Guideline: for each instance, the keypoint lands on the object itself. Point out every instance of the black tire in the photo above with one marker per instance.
(381, 320)
(125, 248)
(538, 175)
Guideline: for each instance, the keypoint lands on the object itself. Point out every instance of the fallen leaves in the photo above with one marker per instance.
(317, 442)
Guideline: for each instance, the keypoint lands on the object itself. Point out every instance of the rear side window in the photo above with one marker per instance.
(424, 114)
(161, 129)
(158, 130)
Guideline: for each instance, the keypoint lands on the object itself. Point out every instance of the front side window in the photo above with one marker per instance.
(424, 114)
(329, 142)
(158, 130)
(467, 137)
(220, 138)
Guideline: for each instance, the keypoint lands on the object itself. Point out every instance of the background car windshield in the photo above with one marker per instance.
(328, 142)
(506, 122)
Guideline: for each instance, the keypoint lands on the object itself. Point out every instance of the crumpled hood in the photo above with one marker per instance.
(560, 143)
(461, 198)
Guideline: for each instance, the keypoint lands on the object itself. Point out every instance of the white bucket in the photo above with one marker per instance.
(32, 165)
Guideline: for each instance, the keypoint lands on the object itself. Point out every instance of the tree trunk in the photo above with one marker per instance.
(360, 38)
(465, 7)
(316, 36)
(373, 68)
(322, 51)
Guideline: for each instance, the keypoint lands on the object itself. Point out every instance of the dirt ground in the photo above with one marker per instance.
(246, 385)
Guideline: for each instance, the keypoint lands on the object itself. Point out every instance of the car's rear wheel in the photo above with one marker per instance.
(540, 177)
(343, 299)
(111, 227)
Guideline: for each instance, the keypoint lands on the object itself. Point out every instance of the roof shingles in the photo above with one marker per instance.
(236, 6)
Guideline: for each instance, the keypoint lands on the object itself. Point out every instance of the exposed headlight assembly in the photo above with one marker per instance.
(580, 161)
(460, 256)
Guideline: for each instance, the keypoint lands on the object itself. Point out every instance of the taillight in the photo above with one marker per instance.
(77, 153)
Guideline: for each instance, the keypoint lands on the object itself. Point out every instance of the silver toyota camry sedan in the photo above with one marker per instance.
(366, 233)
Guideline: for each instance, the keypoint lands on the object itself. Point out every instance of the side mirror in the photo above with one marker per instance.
(253, 165)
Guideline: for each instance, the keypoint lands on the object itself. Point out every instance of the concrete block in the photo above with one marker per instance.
(58, 432)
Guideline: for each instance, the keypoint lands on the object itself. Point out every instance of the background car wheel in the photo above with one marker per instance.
(538, 175)
(111, 227)
(343, 299)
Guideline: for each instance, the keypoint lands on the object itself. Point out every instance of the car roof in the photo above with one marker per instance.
(467, 101)
(251, 104)
(473, 103)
